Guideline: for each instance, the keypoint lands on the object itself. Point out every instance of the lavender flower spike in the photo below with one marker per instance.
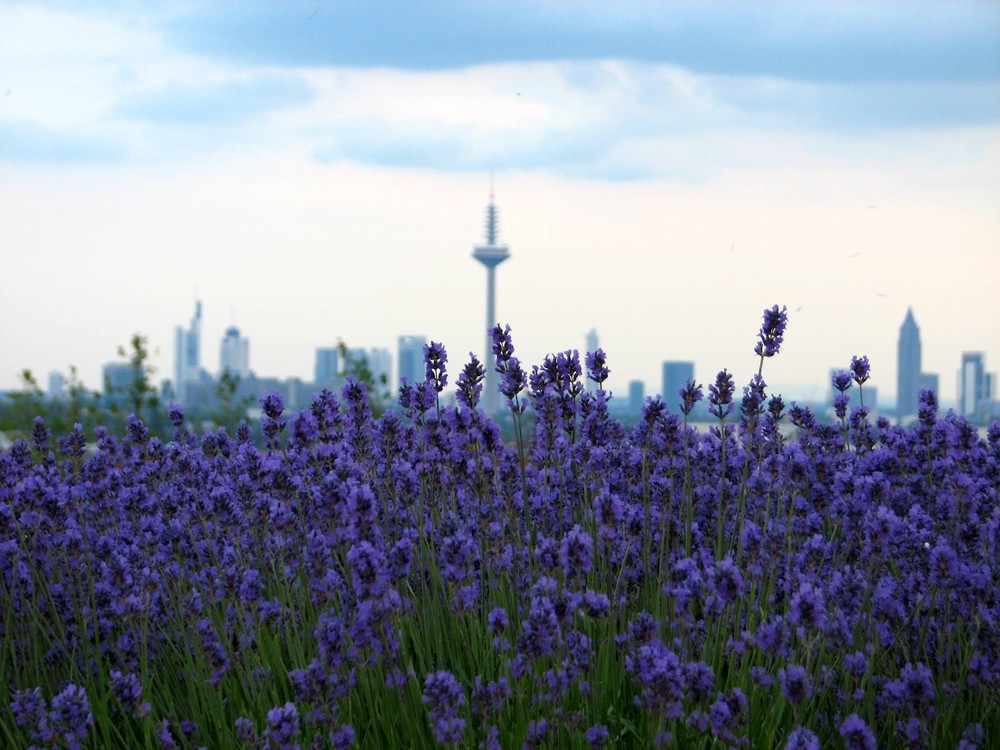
(860, 369)
(720, 394)
(470, 381)
(597, 366)
(772, 331)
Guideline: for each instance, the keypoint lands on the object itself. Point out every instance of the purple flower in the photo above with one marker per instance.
(342, 737)
(913, 690)
(796, 685)
(575, 552)
(272, 404)
(597, 736)
(538, 731)
(503, 346)
(802, 739)
(690, 395)
(808, 608)
(840, 403)
(842, 380)
(435, 359)
(176, 414)
(70, 716)
(772, 331)
(469, 385)
(29, 708)
(856, 734)
(444, 698)
(127, 690)
(660, 676)
(720, 395)
(282, 728)
(860, 369)
(728, 581)
(597, 369)
(497, 620)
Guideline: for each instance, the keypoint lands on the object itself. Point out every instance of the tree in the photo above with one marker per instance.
(356, 366)
(20, 408)
(231, 407)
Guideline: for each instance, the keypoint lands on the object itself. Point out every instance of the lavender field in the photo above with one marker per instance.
(414, 581)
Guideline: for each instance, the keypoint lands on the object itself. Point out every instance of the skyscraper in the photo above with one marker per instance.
(491, 254)
(675, 376)
(187, 355)
(908, 378)
(327, 366)
(974, 384)
(234, 354)
(411, 359)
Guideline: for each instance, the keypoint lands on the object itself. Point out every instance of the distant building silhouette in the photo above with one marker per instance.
(118, 376)
(57, 384)
(636, 396)
(975, 385)
(491, 254)
(187, 355)
(675, 376)
(327, 370)
(908, 367)
(380, 365)
(234, 354)
(410, 359)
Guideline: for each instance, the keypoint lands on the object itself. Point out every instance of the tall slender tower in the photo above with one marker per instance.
(491, 254)
(908, 381)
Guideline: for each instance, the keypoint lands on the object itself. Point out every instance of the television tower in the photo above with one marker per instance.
(491, 254)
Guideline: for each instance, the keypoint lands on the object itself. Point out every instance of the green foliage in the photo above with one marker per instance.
(356, 366)
(231, 406)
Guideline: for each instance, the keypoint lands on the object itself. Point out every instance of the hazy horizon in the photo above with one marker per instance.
(663, 172)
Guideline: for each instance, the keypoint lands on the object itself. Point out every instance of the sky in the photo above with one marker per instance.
(663, 171)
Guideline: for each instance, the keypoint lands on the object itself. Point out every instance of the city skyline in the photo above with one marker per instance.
(662, 184)
(975, 384)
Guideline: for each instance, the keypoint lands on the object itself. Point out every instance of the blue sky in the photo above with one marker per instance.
(297, 164)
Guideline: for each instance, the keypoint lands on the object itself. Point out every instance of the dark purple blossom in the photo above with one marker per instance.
(444, 698)
(772, 331)
(282, 728)
(469, 385)
(597, 366)
(857, 734)
(597, 736)
(690, 394)
(575, 552)
(435, 361)
(796, 685)
(842, 380)
(720, 395)
(802, 739)
(860, 370)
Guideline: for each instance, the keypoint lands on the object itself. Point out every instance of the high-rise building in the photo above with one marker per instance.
(675, 376)
(380, 364)
(974, 384)
(636, 396)
(57, 384)
(908, 372)
(327, 369)
(491, 254)
(411, 359)
(187, 355)
(234, 354)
